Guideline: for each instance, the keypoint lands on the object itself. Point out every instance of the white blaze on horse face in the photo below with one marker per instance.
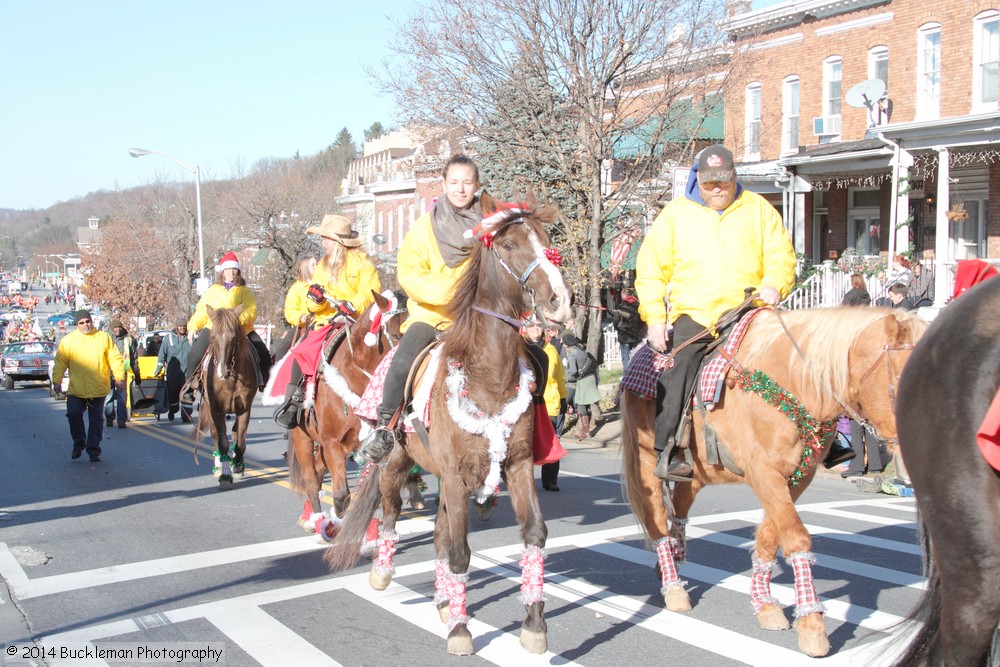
(562, 311)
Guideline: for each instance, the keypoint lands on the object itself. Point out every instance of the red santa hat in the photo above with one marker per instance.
(371, 337)
(228, 261)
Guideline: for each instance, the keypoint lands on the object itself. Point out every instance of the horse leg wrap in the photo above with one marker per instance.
(678, 539)
(668, 569)
(325, 526)
(760, 582)
(386, 549)
(221, 467)
(806, 600)
(532, 574)
(457, 614)
(307, 512)
(441, 572)
(239, 467)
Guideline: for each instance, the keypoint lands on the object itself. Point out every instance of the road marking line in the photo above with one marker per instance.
(265, 638)
(861, 518)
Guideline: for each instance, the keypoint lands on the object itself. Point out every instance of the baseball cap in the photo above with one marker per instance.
(715, 163)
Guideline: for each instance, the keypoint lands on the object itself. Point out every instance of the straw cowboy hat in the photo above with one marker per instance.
(337, 228)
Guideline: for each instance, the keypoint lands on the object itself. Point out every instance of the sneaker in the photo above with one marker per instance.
(95, 458)
(170, 415)
(76, 453)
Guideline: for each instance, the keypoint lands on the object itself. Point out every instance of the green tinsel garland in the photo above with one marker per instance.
(811, 431)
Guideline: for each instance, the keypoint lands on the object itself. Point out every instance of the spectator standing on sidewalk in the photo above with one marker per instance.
(127, 349)
(581, 384)
(554, 393)
(628, 324)
(91, 357)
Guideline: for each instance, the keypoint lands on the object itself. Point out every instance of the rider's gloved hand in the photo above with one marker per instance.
(316, 293)
(346, 308)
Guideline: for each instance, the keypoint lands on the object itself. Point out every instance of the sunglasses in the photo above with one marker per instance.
(84, 322)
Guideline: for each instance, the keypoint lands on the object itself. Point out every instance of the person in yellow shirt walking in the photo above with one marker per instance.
(704, 249)
(91, 357)
(343, 283)
(229, 291)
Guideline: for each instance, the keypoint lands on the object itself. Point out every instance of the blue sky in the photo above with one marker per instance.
(211, 83)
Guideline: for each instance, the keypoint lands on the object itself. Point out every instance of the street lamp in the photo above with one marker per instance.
(196, 170)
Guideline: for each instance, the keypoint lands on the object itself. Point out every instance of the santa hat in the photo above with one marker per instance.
(228, 261)
(375, 314)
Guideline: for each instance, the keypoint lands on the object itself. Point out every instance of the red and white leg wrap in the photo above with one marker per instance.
(457, 614)
(325, 526)
(441, 573)
(307, 510)
(668, 569)
(806, 600)
(371, 539)
(760, 582)
(386, 550)
(532, 574)
(678, 539)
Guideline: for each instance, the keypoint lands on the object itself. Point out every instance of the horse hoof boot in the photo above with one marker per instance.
(533, 641)
(379, 580)
(460, 641)
(772, 617)
(676, 598)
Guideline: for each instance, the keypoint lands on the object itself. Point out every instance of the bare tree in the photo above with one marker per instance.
(553, 89)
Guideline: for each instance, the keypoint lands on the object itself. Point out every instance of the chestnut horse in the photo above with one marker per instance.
(230, 382)
(325, 437)
(481, 425)
(818, 364)
(944, 395)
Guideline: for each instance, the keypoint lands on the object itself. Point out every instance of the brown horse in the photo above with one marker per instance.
(818, 364)
(944, 394)
(230, 382)
(323, 441)
(481, 425)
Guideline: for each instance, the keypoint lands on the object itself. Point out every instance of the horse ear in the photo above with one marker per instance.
(237, 310)
(486, 203)
(383, 303)
(209, 310)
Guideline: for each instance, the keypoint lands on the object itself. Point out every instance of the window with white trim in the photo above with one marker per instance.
(753, 102)
(878, 64)
(829, 129)
(790, 115)
(929, 71)
(985, 60)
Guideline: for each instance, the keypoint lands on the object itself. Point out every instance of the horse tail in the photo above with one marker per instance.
(635, 495)
(345, 551)
(294, 469)
(926, 618)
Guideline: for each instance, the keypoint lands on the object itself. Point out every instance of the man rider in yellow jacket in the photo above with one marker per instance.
(92, 358)
(704, 249)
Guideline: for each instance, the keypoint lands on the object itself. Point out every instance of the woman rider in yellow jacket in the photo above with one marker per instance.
(432, 259)
(230, 290)
(296, 312)
(343, 283)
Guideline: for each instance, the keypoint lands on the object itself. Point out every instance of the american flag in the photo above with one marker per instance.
(619, 250)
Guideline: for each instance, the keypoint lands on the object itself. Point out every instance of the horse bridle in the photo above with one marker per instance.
(521, 279)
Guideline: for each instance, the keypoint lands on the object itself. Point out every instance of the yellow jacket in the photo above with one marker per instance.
(296, 303)
(707, 259)
(422, 273)
(555, 385)
(92, 359)
(218, 296)
(355, 284)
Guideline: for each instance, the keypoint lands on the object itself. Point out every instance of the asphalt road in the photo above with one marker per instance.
(141, 549)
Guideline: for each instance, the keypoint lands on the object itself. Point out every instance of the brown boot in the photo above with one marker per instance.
(583, 428)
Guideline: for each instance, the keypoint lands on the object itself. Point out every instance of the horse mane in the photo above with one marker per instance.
(224, 319)
(465, 336)
(825, 336)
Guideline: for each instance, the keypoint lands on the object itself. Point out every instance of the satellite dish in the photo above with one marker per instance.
(866, 94)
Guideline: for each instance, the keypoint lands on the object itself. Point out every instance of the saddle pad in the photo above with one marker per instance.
(643, 372)
(713, 374)
(372, 397)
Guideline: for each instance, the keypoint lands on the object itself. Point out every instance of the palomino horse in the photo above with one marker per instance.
(944, 395)
(481, 425)
(325, 438)
(230, 384)
(818, 364)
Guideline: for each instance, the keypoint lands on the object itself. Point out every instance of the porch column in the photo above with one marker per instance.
(899, 236)
(941, 232)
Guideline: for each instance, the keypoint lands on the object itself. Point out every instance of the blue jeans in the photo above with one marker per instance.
(626, 350)
(82, 438)
(120, 408)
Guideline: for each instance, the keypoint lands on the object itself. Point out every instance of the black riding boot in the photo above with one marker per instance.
(676, 470)
(381, 442)
(287, 415)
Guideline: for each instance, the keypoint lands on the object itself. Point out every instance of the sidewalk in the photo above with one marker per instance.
(13, 626)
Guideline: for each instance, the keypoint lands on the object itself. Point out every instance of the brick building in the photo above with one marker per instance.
(846, 173)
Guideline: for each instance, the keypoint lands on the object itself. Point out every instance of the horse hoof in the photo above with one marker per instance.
(676, 598)
(225, 483)
(379, 580)
(772, 617)
(812, 635)
(460, 641)
(417, 501)
(484, 510)
(534, 642)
